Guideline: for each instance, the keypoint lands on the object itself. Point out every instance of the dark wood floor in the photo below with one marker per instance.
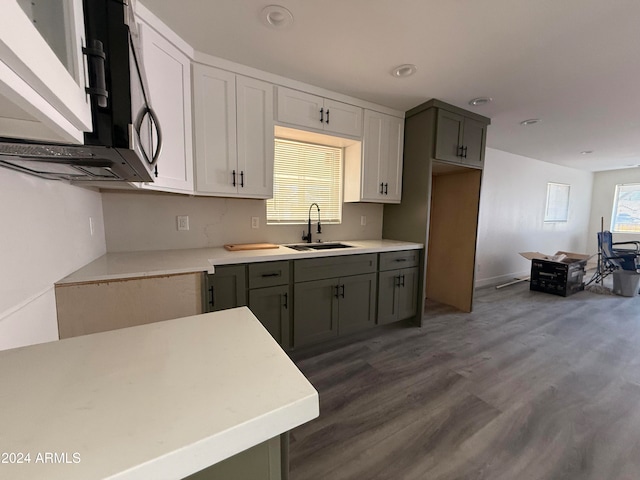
(528, 386)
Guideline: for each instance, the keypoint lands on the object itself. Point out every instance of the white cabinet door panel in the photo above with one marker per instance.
(299, 108)
(342, 118)
(215, 130)
(255, 137)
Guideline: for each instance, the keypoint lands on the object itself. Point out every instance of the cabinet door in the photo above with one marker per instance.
(169, 78)
(388, 296)
(226, 288)
(373, 163)
(300, 108)
(271, 306)
(342, 118)
(315, 311)
(448, 136)
(393, 159)
(41, 46)
(214, 104)
(408, 293)
(357, 307)
(473, 139)
(255, 137)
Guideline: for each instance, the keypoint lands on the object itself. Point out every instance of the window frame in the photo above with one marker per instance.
(338, 207)
(615, 213)
(557, 203)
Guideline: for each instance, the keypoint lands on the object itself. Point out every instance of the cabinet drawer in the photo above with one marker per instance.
(340, 266)
(268, 274)
(395, 260)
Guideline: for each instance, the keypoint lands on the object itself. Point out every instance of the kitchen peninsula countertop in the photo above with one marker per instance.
(115, 266)
(162, 400)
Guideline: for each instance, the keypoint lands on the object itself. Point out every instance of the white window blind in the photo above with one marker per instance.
(626, 209)
(305, 173)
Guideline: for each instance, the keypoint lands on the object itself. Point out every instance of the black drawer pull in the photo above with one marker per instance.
(286, 300)
(401, 260)
(337, 294)
(275, 274)
(342, 294)
(233, 174)
(402, 277)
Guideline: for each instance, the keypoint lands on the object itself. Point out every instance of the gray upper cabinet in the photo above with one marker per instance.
(459, 139)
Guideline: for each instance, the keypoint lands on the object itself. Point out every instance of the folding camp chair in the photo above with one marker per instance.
(611, 259)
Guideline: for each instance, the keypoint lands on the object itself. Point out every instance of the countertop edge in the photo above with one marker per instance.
(116, 266)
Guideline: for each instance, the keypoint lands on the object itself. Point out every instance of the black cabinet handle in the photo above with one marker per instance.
(401, 259)
(155, 171)
(233, 175)
(286, 300)
(321, 115)
(97, 79)
(342, 294)
(459, 151)
(242, 178)
(327, 116)
(464, 152)
(402, 277)
(337, 294)
(397, 279)
(386, 189)
(275, 274)
(382, 189)
(211, 297)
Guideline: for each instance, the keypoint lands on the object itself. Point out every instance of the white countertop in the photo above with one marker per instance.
(158, 401)
(113, 266)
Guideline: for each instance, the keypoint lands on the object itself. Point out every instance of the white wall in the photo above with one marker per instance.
(512, 205)
(144, 221)
(604, 188)
(45, 236)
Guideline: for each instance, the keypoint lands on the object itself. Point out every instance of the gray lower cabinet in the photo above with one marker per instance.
(226, 288)
(334, 306)
(397, 295)
(271, 305)
(398, 287)
(333, 296)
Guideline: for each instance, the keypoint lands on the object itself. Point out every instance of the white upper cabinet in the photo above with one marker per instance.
(373, 173)
(233, 134)
(168, 73)
(310, 111)
(43, 70)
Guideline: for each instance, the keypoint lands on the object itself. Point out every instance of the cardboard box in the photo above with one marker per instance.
(559, 274)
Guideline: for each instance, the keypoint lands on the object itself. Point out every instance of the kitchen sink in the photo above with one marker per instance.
(317, 246)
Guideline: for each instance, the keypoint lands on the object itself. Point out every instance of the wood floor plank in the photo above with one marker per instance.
(527, 386)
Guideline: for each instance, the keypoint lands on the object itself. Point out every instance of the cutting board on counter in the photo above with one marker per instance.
(236, 247)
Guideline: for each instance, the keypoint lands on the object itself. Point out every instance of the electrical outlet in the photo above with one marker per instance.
(183, 222)
(255, 222)
(92, 228)
(363, 220)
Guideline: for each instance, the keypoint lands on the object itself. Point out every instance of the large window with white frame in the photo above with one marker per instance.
(305, 173)
(625, 217)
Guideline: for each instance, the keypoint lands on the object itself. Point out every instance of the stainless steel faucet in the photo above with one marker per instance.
(307, 237)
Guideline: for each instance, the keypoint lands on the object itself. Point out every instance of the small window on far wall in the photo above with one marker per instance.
(557, 209)
(626, 209)
(305, 173)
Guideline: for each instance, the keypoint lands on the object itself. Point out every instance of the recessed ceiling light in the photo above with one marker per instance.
(276, 16)
(405, 70)
(476, 102)
(531, 121)
(586, 152)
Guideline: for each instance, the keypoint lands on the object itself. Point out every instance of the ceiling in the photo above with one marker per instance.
(574, 64)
